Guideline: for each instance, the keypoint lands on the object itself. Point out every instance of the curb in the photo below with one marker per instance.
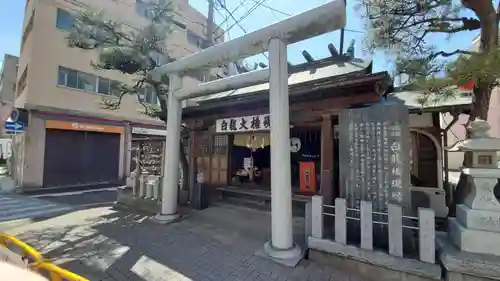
(94, 205)
(5, 225)
(55, 190)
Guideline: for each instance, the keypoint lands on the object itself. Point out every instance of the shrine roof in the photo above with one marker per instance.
(412, 99)
(300, 74)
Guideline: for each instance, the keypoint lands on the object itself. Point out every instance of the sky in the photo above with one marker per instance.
(11, 17)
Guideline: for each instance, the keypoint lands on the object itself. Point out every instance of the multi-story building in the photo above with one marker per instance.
(8, 76)
(70, 139)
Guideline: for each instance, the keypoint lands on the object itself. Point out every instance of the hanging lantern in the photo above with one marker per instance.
(249, 144)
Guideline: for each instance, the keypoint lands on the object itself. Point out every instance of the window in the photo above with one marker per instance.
(179, 24)
(148, 95)
(90, 83)
(21, 84)
(27, 30)
(196, 74)
(87, 82)
(67, 77)
(196, 40)
(114, 88)
(103, 86)
(225, 70)
(65, 20)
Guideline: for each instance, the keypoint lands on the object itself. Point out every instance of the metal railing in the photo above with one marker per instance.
(28, 254)
(35, 261)
(393, 220)
(55, 273)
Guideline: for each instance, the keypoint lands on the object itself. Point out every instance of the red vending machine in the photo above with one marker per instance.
(307, 177)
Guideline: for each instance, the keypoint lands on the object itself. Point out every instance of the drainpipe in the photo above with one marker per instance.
(126, 150)
(444, 132)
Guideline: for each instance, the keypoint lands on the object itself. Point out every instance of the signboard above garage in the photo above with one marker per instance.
(80, 126)
(148, 131)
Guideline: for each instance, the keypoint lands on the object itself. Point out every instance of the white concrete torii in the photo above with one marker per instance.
(274, 38)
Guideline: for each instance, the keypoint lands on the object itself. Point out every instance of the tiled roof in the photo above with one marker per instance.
(412, 100)
(310, 74)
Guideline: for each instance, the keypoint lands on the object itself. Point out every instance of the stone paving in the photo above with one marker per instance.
(216, 244)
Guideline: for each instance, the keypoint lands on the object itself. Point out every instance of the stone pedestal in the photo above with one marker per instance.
(466, 266)
(476, 228)
(7, 184)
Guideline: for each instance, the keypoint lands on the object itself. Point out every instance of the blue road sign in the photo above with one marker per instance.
(14, 126)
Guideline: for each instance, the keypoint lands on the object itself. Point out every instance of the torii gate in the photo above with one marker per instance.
(273, 38)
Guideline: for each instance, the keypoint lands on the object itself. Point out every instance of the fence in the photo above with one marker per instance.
(394, 223)
(18, 253)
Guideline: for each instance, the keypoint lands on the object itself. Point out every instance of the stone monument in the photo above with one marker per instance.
(476, 228)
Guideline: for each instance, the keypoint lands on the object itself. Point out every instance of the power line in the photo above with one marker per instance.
(273, 9)
(230, 13)
(237, 22)
(289, 15)
(220, 13)
(230, 16)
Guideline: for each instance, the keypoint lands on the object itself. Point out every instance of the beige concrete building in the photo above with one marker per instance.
(70, 139)
(8, 75)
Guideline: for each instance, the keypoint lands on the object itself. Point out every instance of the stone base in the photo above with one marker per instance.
(370, 264)
(183, 197)
(478, 219)
(166, 219)
(465, 266)
(126, 200)
(289, 258)
(474, 241)
(7, 184)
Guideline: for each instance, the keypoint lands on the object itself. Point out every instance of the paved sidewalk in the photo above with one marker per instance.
(215, 244)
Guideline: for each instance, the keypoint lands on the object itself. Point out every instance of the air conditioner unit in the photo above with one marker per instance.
(429, 197)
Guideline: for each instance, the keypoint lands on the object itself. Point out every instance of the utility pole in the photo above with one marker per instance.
(210, 23)
(342, 35)
(194, 171)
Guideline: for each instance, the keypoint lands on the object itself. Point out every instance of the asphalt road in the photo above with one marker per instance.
(19, 209)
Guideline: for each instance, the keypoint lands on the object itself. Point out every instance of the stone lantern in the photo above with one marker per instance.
(476, 227)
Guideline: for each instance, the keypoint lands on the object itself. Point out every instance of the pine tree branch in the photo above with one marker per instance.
(449, 54)
(114, 104)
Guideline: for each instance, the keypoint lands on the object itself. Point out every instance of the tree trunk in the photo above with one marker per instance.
(489, 42)
(481, 102)
(482, 88)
